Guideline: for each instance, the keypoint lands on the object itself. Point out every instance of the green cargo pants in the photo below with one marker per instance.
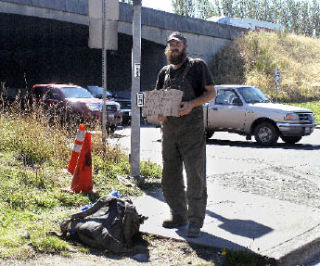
(183, 142)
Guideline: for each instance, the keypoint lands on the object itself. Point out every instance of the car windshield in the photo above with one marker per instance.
(76, 92)
(253, 95)
(98, 91)
(122, 94)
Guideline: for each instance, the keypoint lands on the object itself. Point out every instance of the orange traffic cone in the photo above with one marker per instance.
(82, 177)
(77, 148)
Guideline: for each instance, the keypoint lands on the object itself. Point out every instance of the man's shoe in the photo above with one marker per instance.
(193, 231)
(174, 222)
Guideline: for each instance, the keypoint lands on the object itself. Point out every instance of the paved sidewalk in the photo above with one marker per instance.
(287, 232)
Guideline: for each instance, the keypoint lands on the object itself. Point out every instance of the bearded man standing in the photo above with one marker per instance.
(183, 137)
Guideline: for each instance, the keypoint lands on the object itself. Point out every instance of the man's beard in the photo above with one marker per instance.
(175, 57)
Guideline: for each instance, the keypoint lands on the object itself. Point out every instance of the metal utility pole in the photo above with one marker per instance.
(135, 110)
(103, 34)
(104, 75)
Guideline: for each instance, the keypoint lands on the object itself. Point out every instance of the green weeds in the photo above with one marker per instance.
(32, 203)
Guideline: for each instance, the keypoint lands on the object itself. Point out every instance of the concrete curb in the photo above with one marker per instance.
(304, 248)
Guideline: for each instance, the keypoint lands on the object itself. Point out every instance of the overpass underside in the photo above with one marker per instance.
(47, 41)
(36, 50)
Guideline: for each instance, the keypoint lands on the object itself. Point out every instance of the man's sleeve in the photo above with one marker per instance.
(205, 75)
(160, 79)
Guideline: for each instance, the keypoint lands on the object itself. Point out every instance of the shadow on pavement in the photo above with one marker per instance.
(156, 193)
(209, 238)
(255, 145)
(246, 228)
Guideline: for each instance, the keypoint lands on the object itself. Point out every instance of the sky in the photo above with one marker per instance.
(164, 5)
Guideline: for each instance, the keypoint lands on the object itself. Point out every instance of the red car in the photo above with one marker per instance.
(76, 102)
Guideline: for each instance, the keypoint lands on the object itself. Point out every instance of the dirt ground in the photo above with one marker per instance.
(154, 252)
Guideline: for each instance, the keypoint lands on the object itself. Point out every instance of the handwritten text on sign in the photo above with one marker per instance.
(162, 102)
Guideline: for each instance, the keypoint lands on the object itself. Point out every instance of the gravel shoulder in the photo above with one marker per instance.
(283, 183)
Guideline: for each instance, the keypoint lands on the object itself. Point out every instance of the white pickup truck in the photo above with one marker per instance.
(247, 111)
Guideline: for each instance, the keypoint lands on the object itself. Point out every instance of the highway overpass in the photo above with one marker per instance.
(47, 41)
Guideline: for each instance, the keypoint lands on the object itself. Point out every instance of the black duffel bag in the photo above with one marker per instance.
(111, 223)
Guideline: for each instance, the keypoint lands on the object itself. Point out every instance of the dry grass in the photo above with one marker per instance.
(253, 58)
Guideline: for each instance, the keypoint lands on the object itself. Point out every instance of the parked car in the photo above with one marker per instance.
(97, 92)
(118, 96)
(76, 102)
(124, 99)
(247, 111)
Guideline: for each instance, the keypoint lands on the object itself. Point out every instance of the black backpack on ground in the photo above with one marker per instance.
(109, 224)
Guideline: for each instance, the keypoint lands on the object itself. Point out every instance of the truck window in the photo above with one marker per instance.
(226, 97)
(54, 95)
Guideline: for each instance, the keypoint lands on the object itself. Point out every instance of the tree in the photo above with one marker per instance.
(204, 9)
(217, 8)
(242, 8)
(305, 21)
(252, 9)
(184, 7)
(315, 18)
(293, 11)
(301, 17)
(227, 7)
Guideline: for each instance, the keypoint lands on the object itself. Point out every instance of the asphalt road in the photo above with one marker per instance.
(287, 172)
(234, 151)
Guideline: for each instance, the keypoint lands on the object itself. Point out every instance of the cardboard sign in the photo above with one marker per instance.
(162, 102)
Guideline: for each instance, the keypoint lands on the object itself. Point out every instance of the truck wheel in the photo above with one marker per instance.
(291, 140)
(209, 133)
(266, 133)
